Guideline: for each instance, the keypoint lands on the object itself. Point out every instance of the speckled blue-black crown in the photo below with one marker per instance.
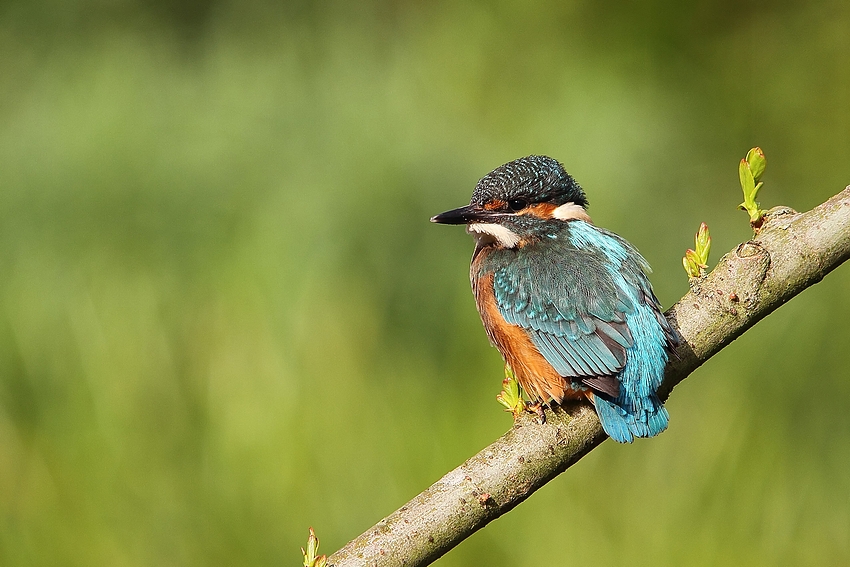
(538, 179)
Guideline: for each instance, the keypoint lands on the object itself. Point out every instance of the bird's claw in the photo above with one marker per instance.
(537, 408)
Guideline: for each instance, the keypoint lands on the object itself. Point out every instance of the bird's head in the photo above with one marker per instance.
(512, 203)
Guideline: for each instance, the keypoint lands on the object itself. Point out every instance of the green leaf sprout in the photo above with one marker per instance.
(750, 171)
(310, 557)
(511, 394)
(696, 261)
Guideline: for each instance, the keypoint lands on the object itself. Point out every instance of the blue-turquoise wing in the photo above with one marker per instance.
(574, 302)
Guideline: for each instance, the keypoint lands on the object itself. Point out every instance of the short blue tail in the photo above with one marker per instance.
(646, 418)
(637, 411)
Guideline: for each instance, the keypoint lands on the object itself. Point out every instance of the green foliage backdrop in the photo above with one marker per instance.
(224, 316)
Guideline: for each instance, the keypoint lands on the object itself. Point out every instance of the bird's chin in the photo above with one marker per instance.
(492, 233)
(481, 238)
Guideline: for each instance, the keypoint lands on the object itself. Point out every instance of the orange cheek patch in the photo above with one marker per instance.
(495, 205)
(540, 210)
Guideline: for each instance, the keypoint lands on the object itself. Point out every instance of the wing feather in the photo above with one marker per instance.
(573, 300)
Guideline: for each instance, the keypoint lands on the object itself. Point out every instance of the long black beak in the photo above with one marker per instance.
(464, 215)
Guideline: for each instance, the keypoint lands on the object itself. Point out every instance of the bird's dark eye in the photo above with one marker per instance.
(517, 204)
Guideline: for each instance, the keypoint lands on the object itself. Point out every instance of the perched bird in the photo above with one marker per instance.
(568, 304)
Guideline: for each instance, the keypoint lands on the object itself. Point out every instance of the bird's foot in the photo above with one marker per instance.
(537, 408)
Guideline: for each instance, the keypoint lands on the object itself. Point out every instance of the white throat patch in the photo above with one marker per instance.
(494, 233)
(570, 211)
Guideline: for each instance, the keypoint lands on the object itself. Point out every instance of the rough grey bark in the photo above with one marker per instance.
(792, 252)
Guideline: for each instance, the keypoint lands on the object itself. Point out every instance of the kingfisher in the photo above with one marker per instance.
(568, 304)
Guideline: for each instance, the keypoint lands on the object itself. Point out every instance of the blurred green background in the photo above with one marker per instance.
(225, 317)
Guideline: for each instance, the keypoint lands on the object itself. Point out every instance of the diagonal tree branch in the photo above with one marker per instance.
(792, 252)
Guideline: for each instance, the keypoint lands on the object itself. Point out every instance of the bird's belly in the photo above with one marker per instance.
(533, 372)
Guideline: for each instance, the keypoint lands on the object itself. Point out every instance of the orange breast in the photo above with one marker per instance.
(535, 375)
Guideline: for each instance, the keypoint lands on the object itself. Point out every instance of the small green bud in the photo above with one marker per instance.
(702, 241)
(691, 263)
(511, 394)
(310, 557)
(757, 162)
(750, 171)
(695, 262)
